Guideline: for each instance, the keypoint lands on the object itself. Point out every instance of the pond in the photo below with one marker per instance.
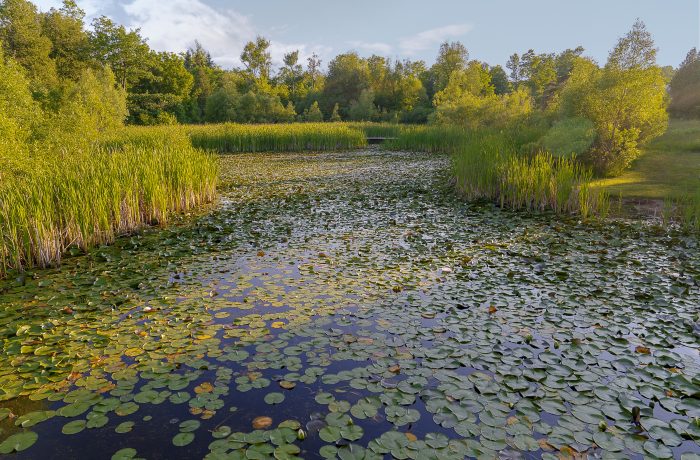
(348, 305)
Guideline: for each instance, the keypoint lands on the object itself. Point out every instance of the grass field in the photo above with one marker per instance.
(669, 168)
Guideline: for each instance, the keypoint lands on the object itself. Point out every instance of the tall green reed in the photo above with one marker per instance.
(84, 198)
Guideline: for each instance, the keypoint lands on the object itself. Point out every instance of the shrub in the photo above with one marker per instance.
(569, 136)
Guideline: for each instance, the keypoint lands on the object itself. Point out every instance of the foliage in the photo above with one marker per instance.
(684, 88)
(626, 101)
(313, 114)
(295, 137)
(469, 101)
(22, 39)
(569, 136)
(488, 165)
(363, 109)
(83, 198)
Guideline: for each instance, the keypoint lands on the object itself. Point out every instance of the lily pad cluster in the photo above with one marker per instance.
(348, 305)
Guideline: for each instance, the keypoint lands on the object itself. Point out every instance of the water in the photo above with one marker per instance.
(328, 272)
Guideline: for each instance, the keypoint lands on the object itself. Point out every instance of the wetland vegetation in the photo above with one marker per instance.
(199, 262)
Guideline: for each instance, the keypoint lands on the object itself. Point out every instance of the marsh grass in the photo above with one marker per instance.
(294, 137)
(59, 200)
(488, 165)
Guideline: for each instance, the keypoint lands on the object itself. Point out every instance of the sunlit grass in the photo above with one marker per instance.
(488, 166)
(669, 167)
(295, 137)
(85, 198)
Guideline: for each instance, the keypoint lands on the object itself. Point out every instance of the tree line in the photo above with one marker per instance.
(602, 112)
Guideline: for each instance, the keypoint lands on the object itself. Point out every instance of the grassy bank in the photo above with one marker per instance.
(53, 201)
(295, 137)
(488, 165)
(667, 173)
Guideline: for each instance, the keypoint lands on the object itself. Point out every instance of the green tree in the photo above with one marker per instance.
(626, 100)
(20, 115)
(685, 87)
(222, 103)
(22, 40)
(335, 115)
(313, 113)
(92, 106)
(515, 67)
(636, 50)
(348, 76)
(469, 100)
(314, 71)
(257, 59)
(65, 28)
(206, 77)
(451, 57)
(363, 109)
(499, 80)
(162, 94)
(124, 51)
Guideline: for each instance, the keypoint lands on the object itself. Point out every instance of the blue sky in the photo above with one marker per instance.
(491, 30)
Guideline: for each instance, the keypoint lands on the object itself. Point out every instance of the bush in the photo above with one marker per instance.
(569, 136)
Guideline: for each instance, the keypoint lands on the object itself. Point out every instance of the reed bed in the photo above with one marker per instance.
(86, 198)
(488, 165)
(295, 137)
(371, 129)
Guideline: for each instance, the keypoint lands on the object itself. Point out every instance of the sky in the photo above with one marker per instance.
(403, 29)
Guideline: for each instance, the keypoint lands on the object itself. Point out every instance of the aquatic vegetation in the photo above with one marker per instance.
(55, 202)
(349, 305)
(294, 137)
(488, 165)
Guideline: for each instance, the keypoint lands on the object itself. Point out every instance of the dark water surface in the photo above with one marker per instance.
(369, 313)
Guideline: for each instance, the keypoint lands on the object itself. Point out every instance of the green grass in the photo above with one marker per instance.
(294, 137)
(667, 173)
(56, 200)
(487, 165)
(669, 167)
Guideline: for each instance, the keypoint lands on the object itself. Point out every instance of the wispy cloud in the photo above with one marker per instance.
(374, 47)
(431, 38)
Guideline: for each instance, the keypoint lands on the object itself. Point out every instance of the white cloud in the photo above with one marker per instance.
(175, 25)
(375, 47)
(431, 38)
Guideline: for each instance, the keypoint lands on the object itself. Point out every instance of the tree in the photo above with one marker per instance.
(636, 50)
(469, 100)
(206, 76)
(313, 113)
(222, 103)
(515, 68)
(363, 109)
(22, 40)
(335, 116)
(451, 57)
(685, 87)
(538, 73)
(314, 70)
(124, 51)
(20, 115)
(65, 28)
(196, 56)
(348, 76)
(257, 59)
(93, 105)
(626, 101)
(499, 80)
